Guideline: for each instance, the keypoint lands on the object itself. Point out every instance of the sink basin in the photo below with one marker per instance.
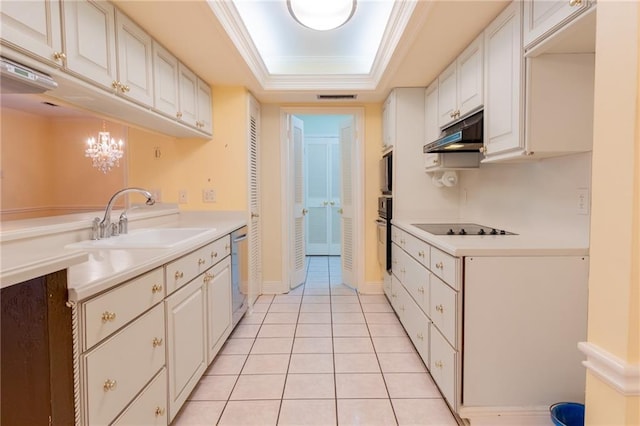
(145, 239)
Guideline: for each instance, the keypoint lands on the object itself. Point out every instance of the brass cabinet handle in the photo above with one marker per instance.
(439, 265)
(157, 341)
(109, 385)
(108, 316)
(157, 288)
(59, 56)
(440, 309)
(124, 88)
(573, 3)
(159, 411)
(421, 290)
(179, 114)
(421, 253)
(208, 277)
(214, 254)
(115, 84)
(201, 261)
(179, 275)
(420, 336)
(439, 364)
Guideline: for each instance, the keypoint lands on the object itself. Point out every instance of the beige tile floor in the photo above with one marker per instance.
(320, 355)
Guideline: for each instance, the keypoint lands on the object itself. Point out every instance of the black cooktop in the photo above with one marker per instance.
(460, 229)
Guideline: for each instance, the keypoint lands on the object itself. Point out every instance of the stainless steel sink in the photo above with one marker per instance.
(145, 239)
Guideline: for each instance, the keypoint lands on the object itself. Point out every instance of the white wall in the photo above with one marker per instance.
(539, 196)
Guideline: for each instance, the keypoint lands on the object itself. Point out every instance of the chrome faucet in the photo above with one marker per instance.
(105, 228)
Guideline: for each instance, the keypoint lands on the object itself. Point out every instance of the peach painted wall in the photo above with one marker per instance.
(44, 171)
(614, 275)
(192, 165)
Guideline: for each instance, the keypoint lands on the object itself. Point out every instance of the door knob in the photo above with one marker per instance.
(304, 212)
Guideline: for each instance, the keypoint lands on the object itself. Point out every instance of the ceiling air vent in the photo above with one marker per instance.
(336, 97)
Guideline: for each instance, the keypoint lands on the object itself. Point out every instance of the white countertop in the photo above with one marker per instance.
(35, 247)
(526, 243)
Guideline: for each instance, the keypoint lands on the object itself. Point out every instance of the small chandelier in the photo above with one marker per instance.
(105, 152)
(322, 15)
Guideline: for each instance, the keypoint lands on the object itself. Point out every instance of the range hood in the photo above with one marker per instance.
(463, 136)
(17, 78)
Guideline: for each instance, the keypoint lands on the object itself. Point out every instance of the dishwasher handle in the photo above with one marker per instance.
(240, 238)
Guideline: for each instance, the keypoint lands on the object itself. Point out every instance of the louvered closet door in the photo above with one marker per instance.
(335, 227)
(296, 138)
(346, 210)
(255, 255)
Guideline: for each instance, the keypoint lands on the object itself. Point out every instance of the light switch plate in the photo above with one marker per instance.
(584, 202)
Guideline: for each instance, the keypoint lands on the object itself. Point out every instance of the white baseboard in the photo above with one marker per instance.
(274, 287)
(505, 416)
(371, 287)
(616, 372)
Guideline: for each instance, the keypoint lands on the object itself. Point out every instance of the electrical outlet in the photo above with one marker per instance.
(209, 195)
(583, 200)
(182, 196)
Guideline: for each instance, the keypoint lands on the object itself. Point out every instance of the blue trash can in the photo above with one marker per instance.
(567, 414)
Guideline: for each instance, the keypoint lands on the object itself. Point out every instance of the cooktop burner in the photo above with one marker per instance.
(460, 229)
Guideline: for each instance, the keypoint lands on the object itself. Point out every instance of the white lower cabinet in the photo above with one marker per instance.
(150, 407)
(218, 290)
(120, 367)
(186, 341)
(443, 366)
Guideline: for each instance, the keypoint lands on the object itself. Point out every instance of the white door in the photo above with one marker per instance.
(255, 255)
(299, 264)
(347, 144)
(322, 191)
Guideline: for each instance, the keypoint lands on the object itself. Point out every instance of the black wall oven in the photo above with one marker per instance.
(386, 173)
(384, 232)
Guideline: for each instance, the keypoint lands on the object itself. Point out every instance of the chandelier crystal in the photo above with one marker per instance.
(322, 15)
(105, 152)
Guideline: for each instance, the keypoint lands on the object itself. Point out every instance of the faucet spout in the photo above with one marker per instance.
(105, 224)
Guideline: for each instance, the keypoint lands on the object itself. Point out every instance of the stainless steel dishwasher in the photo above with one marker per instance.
(239, 273)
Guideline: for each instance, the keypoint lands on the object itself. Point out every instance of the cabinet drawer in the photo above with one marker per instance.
(181, 271)
(443, 366)
(110, 311)
(446, 267)
(443, 310)
(417, 325)
(396, 235)
(119, 368)
(415, 279)
(418, 249)
(150, 407)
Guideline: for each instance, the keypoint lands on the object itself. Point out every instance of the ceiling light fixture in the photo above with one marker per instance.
(105, 152)
(322, 15)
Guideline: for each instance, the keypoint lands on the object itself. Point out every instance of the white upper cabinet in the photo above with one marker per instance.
(543, 17)
(165, 80)
(205, 117)
(431, 129)
(135, 61)
(389, 121)
(34, 27)
(461, 84)
(503, 76)
(188, 88)
(556, 94)
(90, 40)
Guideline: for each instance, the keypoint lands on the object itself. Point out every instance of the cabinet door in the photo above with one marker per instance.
(470, 78)
(447, 96)
(188, 89)
(135, 63)
(205, 117)
(431, 128)
(165, 81)
(33, 26)
(90, 40)
(186, 342)
(503, 83)
(443, 366)
(542, 17)
(218, 306)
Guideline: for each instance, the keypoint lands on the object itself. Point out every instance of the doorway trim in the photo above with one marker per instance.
(358, 114)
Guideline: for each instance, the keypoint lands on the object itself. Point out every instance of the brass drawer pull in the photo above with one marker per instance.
(421, 290)
(157, 288)
(59, 56)
(201, 261)
(214, 254)
(179, 275)
(159, 411)
(109, 385)
(440, 309)
(439, 265)
(439, 364)
(421, 253)
(208, 277)
(108, 316)
(157, 341)
(420, 336)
